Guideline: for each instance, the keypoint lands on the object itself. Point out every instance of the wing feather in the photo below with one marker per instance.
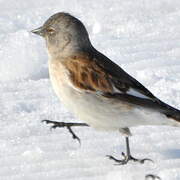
(95, 74)
(99, 74)
(122, 80)
(86, 75)
(125, 83)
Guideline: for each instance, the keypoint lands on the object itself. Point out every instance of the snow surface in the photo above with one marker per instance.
(142, 36)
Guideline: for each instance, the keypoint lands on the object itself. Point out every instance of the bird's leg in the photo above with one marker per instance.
(56, 124)
(127, 157)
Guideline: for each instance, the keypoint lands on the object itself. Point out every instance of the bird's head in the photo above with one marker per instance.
(64, 34)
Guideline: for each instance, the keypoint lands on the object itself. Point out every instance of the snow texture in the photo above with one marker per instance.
(142, 36)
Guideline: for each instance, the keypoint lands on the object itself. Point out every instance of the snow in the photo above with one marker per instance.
(142, 36)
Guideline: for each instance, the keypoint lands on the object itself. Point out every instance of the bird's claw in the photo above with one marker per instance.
(126, 159)
(152, 177)
(56, 124)
(74, 136)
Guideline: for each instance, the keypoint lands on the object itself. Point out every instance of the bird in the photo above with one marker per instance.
(94, 88)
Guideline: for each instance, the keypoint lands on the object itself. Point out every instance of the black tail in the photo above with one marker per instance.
(154, 104)
(170, 111)
(174, 114)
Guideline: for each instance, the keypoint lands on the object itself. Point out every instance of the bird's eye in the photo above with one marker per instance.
(50, 31)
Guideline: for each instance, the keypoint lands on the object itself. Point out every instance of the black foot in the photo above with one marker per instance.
(56, 124)
(126, 159)
(152, 177)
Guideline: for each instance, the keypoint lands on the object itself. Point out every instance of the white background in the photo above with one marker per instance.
(142, 36)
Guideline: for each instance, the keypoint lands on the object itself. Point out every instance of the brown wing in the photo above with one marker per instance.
(100, 74)
(122, 80)
(86, 75)
(104, 76)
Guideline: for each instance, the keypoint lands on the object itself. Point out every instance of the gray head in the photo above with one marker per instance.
(64, 34)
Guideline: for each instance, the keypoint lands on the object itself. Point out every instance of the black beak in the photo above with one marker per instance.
(39, 31)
